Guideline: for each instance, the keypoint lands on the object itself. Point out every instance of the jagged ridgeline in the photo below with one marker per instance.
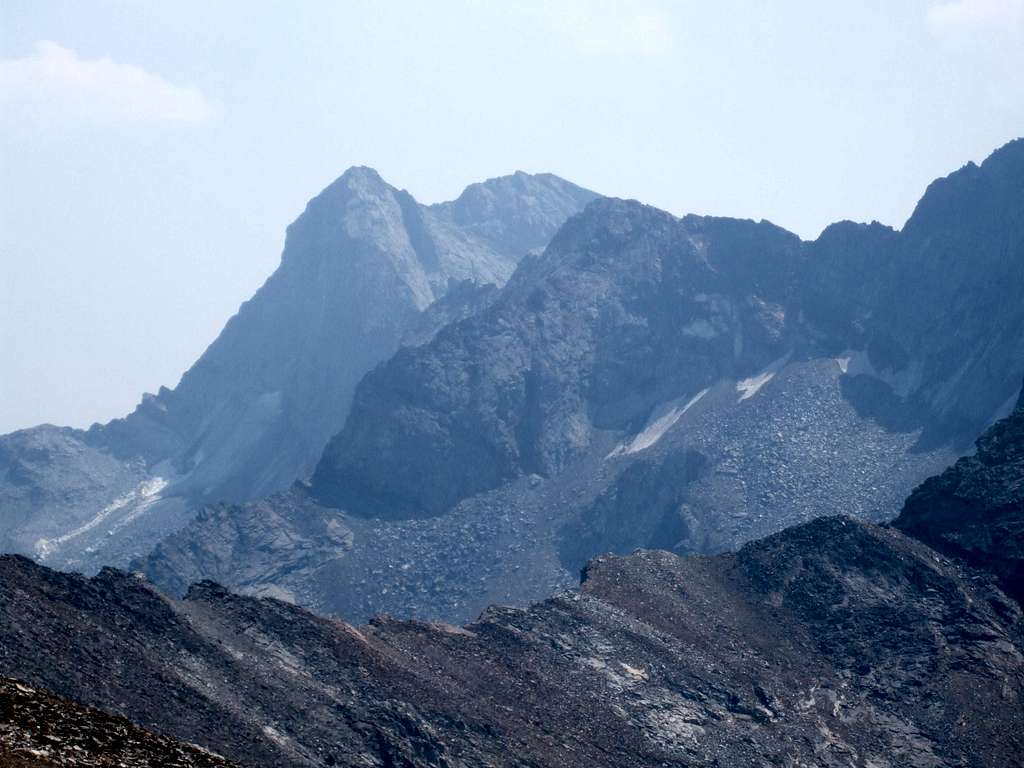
(687, 384)
(833, 643)
(629, 379)
(630, 308)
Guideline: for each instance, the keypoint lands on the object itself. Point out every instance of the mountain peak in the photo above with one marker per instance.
(360, 171)
(499, 189)
(980, 190)
(357, 178)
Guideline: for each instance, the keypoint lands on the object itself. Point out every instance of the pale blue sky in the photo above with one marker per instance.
(154, 152)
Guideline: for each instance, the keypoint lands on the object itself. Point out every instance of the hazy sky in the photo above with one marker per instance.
(154, 152)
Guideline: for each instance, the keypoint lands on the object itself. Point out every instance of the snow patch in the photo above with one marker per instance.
(902, 382)
(855, 362)
(750, 387)
(145, 495)
(661, 421)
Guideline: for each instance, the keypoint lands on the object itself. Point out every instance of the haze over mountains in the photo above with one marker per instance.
(642, 381)
(359, 267)
(687, 384)
(628, 489)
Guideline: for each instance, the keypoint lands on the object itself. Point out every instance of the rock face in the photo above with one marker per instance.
(38, 730)
(975, 509)
(626, 309)
(360, 266)
(688, 384)
(630, 309)
(833, 643)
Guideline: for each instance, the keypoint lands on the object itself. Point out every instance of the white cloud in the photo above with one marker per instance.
(988, 37)
(979, 24)
(56, 84)
(615, 27)
(594, 27)
(966, 17)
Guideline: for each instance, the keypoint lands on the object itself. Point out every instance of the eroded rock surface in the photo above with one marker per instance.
(649, 381)
(833, 643)
(975, 509)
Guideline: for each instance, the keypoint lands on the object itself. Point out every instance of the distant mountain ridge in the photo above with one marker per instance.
(359, 267)
(630, 307)
(648, 381)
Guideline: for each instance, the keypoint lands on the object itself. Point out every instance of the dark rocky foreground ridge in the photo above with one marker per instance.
(833, 643)
(364, 269)
(647, 381)
(38, 730)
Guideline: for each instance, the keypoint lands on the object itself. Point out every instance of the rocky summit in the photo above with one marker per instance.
(363, 271)
(646, 381)
(832, 643)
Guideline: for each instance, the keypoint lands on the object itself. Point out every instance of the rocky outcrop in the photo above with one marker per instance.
(975, 509)
(252, 415)
(728, 470)
(362, 270)
(627, 308)
(38, 730)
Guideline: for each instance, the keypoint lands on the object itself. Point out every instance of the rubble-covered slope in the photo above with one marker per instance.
(833, 643)
(631, 312)
(648, 381)
(727, 471)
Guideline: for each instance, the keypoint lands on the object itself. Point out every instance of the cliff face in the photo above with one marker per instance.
(648, 381)
(975, 509)
(630, 307)
(626, 309)
(364, 259)
(361, 271)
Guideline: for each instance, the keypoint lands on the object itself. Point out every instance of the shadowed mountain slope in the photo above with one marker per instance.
(630, 307)
(975, 509)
